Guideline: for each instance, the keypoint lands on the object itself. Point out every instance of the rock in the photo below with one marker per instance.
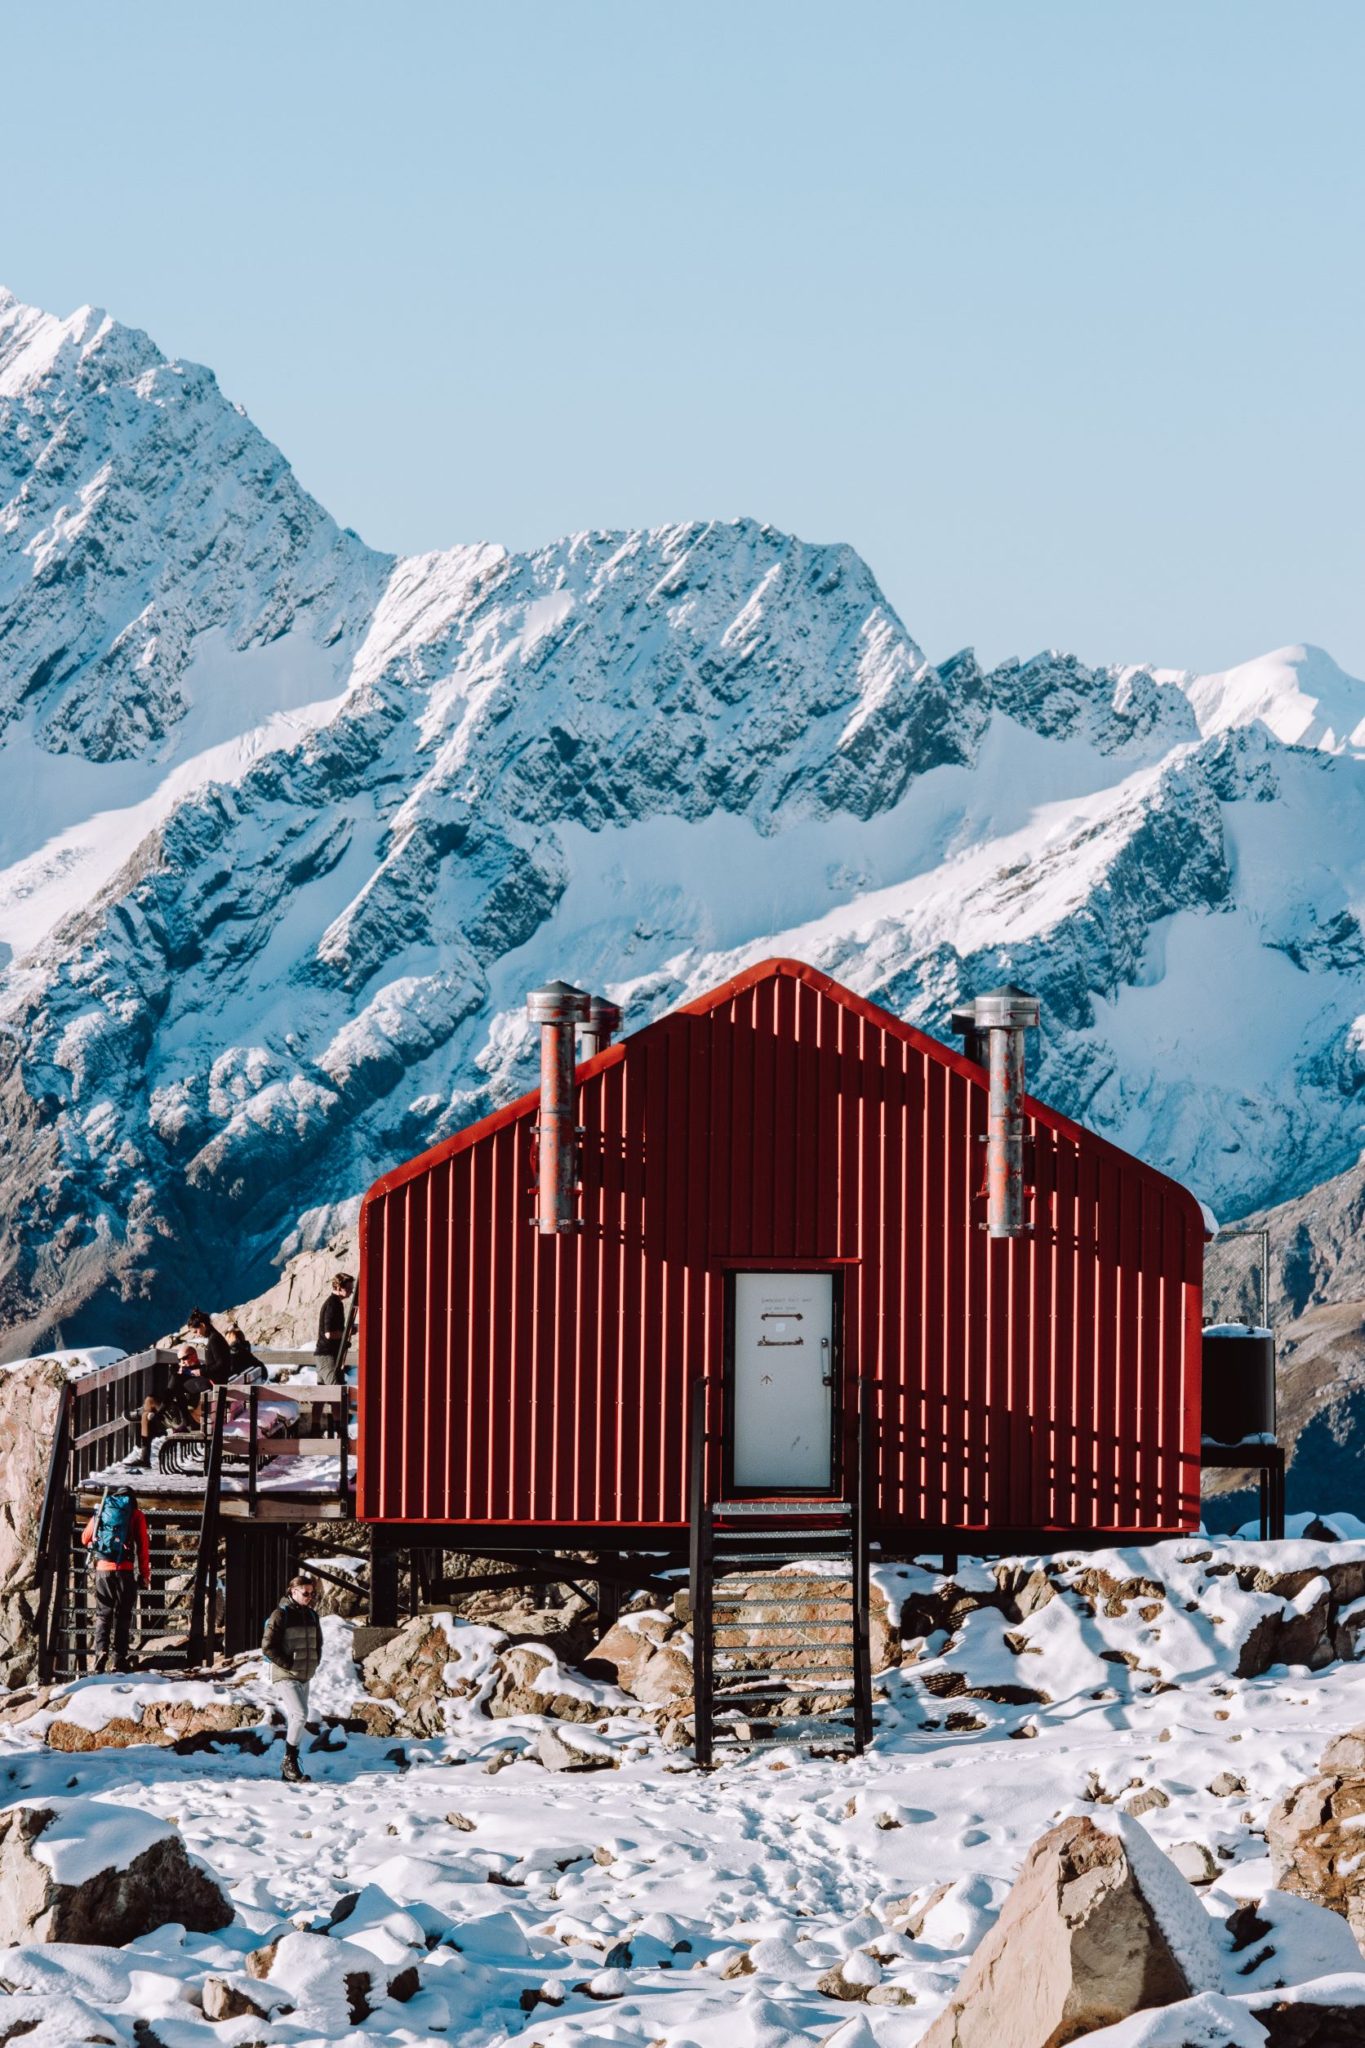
(410, 1670)
(558, 1753)
(626, 1649)
(884, 1641)
(1300, 1633)
(1312, 2018)
(1195, 1861)
(1227, 1785)
(1147, 1799)
(330, 1984)
(86, 1870)
(1077, 1945)
(373, 1717)
(890, 1994)
(174, 1722)
(666, 1680)
(1344, 1755)
(236, 1998)
(520, 1687)
(29, 1401)
(853, 1980)
(1314, 1835)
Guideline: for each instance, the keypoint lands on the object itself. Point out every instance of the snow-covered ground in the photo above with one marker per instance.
(656, 1904)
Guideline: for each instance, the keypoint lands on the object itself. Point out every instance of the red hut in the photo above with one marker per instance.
(780, 1193)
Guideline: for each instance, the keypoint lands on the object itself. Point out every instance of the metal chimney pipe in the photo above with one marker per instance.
(1003, 1017)
(973, 1040)
(604, 1021)
(556, 1008)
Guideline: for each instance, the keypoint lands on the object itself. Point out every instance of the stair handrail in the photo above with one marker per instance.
(700, 1563)
(50, 1549)
(203, 1623)
(862, 1648)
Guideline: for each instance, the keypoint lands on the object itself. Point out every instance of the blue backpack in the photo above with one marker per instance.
(114, 1529)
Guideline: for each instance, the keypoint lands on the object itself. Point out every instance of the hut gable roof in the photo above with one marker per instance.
(715, 999)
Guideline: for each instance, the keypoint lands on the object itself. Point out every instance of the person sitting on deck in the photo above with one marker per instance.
(246, 1366)
(213, 1348)
(180, 1407)
(116, 1535)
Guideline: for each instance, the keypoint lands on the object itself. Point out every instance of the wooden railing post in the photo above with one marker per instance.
(203, 1617)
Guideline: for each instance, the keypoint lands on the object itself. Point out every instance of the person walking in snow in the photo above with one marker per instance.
(293, 1645)
(121, 1556)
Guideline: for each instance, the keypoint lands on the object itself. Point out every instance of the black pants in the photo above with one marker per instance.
(115, 1595)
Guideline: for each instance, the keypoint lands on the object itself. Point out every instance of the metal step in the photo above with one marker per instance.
(783, 1510)
(756, 1684)
(797, 1729)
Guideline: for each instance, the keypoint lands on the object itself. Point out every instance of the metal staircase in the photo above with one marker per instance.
(162, 1621)
(779, 1618)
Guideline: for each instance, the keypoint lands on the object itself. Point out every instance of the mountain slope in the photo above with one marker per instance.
(295, 826)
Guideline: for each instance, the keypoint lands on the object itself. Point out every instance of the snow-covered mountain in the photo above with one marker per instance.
(290, 827)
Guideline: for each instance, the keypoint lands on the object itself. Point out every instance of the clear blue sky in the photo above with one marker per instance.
(1053, 310)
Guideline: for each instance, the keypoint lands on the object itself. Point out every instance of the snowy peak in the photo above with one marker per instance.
(1297, 693)
(292, 827)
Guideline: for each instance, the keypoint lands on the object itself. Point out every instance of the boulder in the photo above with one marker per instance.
(1314, 1835)
(1344, 1756)
(560, 1753)
(1300, 1633)
(1098, 1926)
(521, 1687)
(330, 1985)
(86, 1870)
(627, 1648)
(29, 1401)
(240, 1998)
(1196, 1862)
(410, 1670)
(666, 1680)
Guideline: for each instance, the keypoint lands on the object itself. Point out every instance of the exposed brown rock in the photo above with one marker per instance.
(234, 1998)
(175, 1723)
(626, 1648)
(1314, 1835)
(1076, 1947)
(518, 1692)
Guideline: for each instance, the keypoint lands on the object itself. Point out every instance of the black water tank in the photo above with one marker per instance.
(1239, 1383)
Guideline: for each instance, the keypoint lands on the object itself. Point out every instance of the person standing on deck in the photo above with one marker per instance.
(331, 1330)
(117, 1536)
(327, 1351)
(293, 1644)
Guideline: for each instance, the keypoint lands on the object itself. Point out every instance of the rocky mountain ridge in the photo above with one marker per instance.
(296, 826)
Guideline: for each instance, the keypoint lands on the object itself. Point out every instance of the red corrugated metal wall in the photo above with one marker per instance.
(1048, 1383)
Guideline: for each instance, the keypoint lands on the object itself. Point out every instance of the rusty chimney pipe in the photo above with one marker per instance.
(604, 1021)
(1002, 1018)
(556, 1008)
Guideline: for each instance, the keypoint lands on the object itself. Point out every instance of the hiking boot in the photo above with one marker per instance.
(293, 1772)
(137, 1463)
(101, 1662)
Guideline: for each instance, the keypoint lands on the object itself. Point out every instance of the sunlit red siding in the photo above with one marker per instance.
(1047, 1383)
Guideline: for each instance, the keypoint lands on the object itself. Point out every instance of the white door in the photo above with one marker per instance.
(784, 1380)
